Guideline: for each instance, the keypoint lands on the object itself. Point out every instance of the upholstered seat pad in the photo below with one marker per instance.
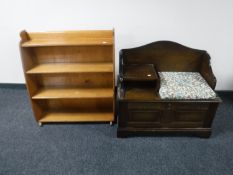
(184, 85)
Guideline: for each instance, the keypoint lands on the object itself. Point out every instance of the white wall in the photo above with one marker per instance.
(201, 24)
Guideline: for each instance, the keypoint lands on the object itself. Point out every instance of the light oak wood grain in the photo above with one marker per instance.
(71, 68)
(68, 42)
(48, 93)
(57, 35)
(75, 80)
(74, 117)
(73, 54)
(75, 38)
(70, 75)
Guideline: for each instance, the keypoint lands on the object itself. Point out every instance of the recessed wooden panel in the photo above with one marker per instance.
(145, 116)
(190, 116)
(73, 54)
(191, 106)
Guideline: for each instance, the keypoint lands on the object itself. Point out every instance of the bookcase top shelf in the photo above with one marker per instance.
(68, 42)
(70, 38)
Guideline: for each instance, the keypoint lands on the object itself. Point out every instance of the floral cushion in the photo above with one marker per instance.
(184, 85)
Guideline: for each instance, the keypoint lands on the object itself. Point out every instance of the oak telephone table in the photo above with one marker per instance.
(165, 87)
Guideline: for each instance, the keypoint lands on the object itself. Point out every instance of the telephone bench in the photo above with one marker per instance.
(165, 87)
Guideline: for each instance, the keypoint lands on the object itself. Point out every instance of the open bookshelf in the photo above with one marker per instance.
(70, 75)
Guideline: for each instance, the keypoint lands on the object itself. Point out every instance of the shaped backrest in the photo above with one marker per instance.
(169, 56)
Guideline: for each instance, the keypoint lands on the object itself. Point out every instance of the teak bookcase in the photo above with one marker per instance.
(70, 75)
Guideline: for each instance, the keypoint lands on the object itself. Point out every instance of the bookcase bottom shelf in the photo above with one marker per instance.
(53, 117)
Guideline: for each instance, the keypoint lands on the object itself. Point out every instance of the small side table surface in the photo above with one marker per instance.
(142, 72)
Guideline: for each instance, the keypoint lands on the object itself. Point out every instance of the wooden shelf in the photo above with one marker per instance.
(74, 83)
(68, 42)
(77, 117)
(64, 93)
(71, 68)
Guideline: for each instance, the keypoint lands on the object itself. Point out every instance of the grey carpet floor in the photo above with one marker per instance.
(26, 148)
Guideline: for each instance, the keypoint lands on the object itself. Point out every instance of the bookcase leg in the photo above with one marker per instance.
(40, 124)
(111, 123)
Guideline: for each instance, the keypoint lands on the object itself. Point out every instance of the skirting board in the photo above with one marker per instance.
(13, 85)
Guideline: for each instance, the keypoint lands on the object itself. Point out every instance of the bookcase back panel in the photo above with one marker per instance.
(77, 105)
(76, 80)
(72, 54)
(70, 35)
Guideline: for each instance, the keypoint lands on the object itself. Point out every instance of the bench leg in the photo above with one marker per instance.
(122, 134)
(206, 134)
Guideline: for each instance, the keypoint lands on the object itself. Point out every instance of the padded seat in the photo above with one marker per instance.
(184, 85)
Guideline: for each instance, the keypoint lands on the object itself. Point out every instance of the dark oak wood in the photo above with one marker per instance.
(139, 72)
(142, 111)
(165, 55)
(136, 75)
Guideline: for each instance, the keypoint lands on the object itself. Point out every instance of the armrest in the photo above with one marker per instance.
(206, 70)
